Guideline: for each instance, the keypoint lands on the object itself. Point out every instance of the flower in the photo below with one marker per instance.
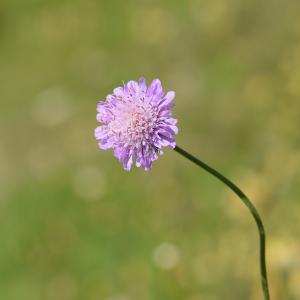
(138, 122)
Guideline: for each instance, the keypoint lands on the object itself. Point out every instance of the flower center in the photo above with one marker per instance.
(134, 123)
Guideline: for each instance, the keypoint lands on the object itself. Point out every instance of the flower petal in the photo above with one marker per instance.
(142, 84)
(119, 92)
(104, 114)
(171, 121)
(167, 99)
(133, 87)
(104, 136)
(155, 88)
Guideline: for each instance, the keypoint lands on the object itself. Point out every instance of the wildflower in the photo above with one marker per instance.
(138, 123)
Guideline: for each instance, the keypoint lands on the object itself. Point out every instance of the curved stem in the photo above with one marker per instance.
(253, 211)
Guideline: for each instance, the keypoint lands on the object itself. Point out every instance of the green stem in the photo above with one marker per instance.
(253, 211)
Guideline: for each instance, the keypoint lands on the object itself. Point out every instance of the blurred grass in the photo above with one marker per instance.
(73, 224)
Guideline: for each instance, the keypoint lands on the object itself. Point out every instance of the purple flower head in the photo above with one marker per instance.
(137, 123)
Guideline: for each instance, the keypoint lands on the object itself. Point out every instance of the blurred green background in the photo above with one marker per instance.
(75, 225)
